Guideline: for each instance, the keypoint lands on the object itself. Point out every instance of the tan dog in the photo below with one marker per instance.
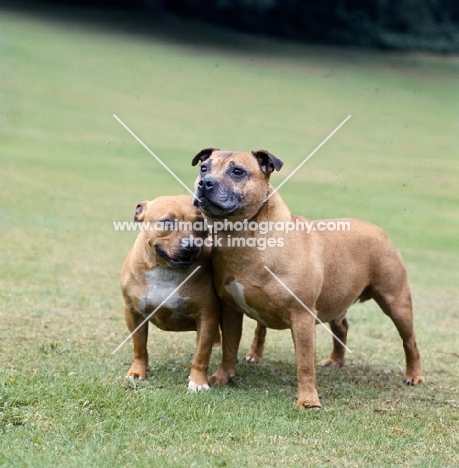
(164, 254)
(327, 271)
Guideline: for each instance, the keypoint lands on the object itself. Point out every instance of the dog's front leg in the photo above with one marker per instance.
(304, 339)
(140, 365)
(231, 325)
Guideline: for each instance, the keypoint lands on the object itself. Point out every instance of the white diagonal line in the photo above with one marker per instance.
(160, 305)
(306, 307)
(310, 156)
(154, 155)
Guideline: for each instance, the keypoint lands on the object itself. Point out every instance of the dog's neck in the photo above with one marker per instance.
(268, 191)
(273, 208)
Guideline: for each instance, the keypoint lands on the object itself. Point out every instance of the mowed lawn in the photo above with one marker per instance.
(68, 170)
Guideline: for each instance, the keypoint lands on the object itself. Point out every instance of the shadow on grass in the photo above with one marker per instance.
(348, 382)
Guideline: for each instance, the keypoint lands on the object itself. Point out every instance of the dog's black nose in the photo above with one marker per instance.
(207, 183)
(188, 247)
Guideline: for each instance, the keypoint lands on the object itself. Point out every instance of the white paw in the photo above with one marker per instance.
(194, 387)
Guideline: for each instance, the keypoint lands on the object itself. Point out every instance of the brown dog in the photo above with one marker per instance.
(165, 253)
(325, 271)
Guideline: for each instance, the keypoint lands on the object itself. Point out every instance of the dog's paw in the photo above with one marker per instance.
(134, 377)
(252, 358)
(138, 374)
(137, 371)
(315, 407)
(308, 399)
(331, 362)
(221, 377)
(412, 380)
(309, 404)
(194, 387)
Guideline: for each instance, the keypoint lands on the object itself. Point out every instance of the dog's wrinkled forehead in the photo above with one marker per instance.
(213, 159)
(159, 213)
(221, 160)
(179, 207)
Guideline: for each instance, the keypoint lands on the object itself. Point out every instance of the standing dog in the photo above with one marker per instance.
(164, 254)
(327, 271)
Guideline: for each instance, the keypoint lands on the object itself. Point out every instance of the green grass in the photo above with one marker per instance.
(68, 170)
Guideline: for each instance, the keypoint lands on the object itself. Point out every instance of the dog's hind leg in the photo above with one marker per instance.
(398, 306)
(256, 350)
(339, 329)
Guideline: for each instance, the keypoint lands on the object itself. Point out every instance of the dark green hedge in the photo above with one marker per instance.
(396, 24)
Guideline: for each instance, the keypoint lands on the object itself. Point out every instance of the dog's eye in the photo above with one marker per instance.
(203, 169)
(167, 224)
(238, 172)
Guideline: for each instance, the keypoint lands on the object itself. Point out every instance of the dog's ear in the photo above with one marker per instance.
(203, 155)
(268, 162)
(140, 209)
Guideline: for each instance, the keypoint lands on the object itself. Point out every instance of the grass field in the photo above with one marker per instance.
(68, 170)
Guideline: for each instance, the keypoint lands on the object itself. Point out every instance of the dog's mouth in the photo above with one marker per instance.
(181, 263)
(214, 210)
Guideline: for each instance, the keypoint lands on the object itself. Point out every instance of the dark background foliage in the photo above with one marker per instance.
(396, 24)
(431, 25)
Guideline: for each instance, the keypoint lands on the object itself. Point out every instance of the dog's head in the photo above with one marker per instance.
(174, 230)
(233, 184)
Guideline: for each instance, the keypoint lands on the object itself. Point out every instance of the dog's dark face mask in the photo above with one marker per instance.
(233, 185)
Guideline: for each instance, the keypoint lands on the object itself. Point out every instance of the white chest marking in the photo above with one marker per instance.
(236, 290)
(160, 284)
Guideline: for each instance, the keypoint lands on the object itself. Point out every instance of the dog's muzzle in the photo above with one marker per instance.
(212, 200)
(186, 256)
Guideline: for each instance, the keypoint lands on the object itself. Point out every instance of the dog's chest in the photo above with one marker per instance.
(160, 290)
(236, 291)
